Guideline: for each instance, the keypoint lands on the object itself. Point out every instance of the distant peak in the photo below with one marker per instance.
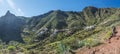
(57, 10)
(90, 8)
(8, 13)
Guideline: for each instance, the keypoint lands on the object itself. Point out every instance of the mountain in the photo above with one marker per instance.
(58, 19)
(59, 32)
(50, 29)
(68, 20)
(10, 27)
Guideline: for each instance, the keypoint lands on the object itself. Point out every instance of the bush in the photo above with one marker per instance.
(11, 48)
(62, 48)
(107, 35)
(80, 43)
(90, 42)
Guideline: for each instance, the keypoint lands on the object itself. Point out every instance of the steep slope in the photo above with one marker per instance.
(50, 30)
(68, 19)
(11, 28)
(60, 32)
(111, 46)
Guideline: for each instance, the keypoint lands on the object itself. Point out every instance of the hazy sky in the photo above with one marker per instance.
(37, 7)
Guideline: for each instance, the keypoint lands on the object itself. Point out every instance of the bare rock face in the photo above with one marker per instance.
(10, 27)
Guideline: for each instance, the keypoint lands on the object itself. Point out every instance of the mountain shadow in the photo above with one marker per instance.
(11, 28)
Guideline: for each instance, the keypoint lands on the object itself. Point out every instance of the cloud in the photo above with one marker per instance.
(17, 10)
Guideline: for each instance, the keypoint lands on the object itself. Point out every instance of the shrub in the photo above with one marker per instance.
(107, 35)
(11, 48)
(80, 43)
(90, 42)
(62, 48)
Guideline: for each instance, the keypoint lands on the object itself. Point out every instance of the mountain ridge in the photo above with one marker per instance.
(58, 31)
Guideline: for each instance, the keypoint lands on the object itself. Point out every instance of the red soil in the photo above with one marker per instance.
(111, 46)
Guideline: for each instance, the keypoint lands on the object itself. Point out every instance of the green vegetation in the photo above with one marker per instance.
(62, 48)
(58, 32)
(11, 48)
(90, 42)
(108, 34)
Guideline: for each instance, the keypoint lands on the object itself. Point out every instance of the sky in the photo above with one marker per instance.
(30, 8)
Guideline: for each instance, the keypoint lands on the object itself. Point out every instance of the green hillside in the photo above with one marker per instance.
(59, 32)
(70, 29)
